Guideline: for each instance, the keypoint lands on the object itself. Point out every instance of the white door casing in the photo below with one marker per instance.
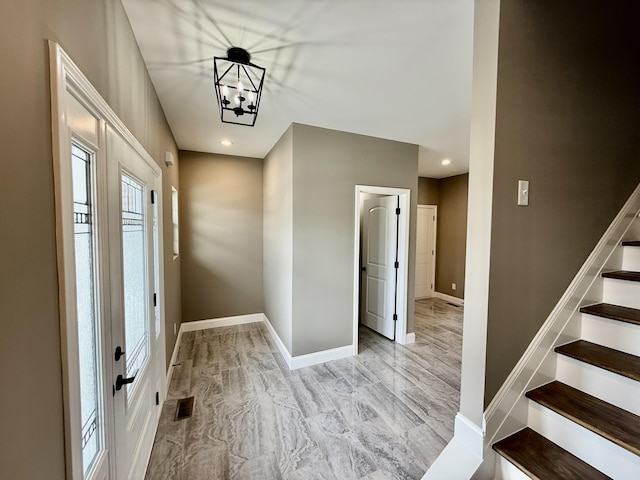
(426, 251)
(379, 255)
(80, 117)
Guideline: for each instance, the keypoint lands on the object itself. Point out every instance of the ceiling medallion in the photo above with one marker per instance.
(238, 88)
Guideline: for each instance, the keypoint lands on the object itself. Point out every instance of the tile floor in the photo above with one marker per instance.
(384, 414)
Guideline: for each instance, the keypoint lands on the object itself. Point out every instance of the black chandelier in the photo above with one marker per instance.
(239, 88)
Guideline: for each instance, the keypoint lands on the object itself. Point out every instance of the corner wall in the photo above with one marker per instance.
(97, 36)
(327, 165)
(220, 235)
(567, 121)
(278, 237)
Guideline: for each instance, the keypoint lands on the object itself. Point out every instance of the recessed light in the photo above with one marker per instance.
(226, 143)
(446, 161)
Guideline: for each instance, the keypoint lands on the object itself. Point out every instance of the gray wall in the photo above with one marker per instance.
(428, 191)
(220, 235)
(452, 235)
(278, 237)
(567, 121)
(450, 195)
(327, 165)
(97, 36)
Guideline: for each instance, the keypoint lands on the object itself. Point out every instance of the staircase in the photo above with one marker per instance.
(585, 424)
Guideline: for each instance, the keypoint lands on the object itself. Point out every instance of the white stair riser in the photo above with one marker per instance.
(505, 470)
(621, 292)
(610, 387)
(631, 258)
(611, 333)
(593, 449)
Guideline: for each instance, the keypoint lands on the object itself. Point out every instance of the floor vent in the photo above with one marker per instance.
(184, 408)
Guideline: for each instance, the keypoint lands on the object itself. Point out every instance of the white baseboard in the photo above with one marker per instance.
(221, 322)
(293, 363)
(279, 343)
(323, 356)
(455, 462)
(469, 434)
(203, 325)
(449, 298)
(409, 338)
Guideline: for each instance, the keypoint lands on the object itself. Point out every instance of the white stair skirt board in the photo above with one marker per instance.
(455, 462)
(590, 447)
(615, 389)
(449, 298)
(621, 292)
(611, 333)
(503, 413)
(505, 470)
(315, 358)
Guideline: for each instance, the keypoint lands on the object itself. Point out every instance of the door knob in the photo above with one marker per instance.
(119, 353)
(364, 269)
(122, 381)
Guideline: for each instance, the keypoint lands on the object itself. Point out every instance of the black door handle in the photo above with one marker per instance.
(121, 381)
(119, 353)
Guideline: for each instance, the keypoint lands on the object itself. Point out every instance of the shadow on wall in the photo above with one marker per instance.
(450, 196)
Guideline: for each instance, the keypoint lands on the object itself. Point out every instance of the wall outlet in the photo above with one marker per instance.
(175, 329)
(453, 286)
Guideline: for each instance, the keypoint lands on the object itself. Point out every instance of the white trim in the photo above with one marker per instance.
(403, 256)
(174, 359)
(409, 338)
(455, 462)
(301, 361)
(449, 298)
(509, 400)
(279, 343)
(221, 322)
(471, 436)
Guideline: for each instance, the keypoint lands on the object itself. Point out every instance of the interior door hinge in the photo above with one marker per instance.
(434, 218)
(396, 265)
(155, 299)
(395, 317)
(398, 211)
(153, 197)
(157, 398)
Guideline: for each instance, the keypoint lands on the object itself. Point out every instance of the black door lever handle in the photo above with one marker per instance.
(121, 381)
(119, 353)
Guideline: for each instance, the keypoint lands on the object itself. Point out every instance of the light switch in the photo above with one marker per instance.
(523, 192)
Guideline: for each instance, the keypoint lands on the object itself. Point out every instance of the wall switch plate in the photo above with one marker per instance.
(453, 286)
(523, 192)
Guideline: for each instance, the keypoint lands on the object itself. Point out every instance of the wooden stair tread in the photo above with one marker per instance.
(614, 312)
(541, 459)
(628, 275)
(615, 361)
(613, 423)
(631, 243)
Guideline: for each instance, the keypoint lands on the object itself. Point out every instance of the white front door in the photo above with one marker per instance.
(425, 251)
(138, 365)
(110, 271)
(379, 261)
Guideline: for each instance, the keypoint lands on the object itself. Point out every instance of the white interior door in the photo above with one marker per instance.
(426, 251)
(138, 365)
(379, 257)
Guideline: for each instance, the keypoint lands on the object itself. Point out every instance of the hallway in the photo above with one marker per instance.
(386, 413)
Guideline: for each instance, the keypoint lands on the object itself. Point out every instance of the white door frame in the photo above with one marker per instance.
(403, 258)
(435, 243)
(68, 84)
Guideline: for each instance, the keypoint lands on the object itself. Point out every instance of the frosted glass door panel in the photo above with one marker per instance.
(88, 340)
(134, 264)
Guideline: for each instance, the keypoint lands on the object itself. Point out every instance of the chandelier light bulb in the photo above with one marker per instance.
(240, 87)
(225, 91)
(251, 97)
(237, 99)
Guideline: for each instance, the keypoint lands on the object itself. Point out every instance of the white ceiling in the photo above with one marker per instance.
(395, 69)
